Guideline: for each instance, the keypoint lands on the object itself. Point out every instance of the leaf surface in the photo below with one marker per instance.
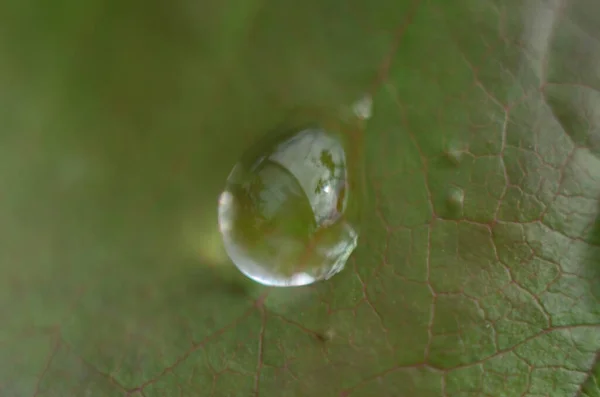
(478, 268)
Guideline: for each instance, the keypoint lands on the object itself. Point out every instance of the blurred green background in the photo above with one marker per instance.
(478, 271)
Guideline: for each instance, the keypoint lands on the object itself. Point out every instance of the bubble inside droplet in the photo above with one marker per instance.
(282, 213)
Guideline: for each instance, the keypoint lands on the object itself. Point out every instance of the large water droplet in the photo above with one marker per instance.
(283, 214)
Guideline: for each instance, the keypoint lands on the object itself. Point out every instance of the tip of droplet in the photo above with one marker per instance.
(363, 107)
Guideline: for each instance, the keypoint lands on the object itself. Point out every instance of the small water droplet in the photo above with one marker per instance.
(456, 199)
(282, 213)
(330, 334)
(363, 107)
(454, 154)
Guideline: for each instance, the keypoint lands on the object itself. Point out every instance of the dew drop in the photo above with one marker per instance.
(329, 334)
(363, 107)
(456, 199)
(454, 154)
(283, 213)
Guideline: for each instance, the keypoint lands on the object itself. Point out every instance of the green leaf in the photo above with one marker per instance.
(477, 273)
(591, 388)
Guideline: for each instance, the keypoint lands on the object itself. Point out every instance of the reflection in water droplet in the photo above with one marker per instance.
(282, 214)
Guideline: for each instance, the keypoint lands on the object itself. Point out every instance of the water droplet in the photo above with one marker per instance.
(456, 199)
(282, 215)
(454, 154)
(330, 334)
(363, 107)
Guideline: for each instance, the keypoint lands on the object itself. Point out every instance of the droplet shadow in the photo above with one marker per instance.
(221, 279)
